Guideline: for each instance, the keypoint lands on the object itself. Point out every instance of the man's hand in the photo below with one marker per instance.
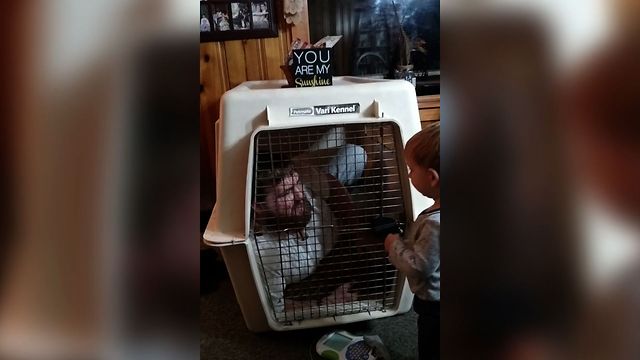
(389, 240)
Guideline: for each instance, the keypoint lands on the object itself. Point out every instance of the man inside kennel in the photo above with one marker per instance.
(296, 207)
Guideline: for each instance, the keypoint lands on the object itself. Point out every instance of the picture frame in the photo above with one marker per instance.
(222, 20)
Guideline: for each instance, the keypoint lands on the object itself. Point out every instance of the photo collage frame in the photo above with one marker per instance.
(236, 20)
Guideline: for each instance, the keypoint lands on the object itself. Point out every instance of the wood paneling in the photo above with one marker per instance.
(253, 66)
(224, 65)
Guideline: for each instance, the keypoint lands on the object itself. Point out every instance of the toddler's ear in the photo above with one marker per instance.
(435, 177)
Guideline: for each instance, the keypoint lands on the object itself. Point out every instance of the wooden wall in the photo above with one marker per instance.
(223, 65)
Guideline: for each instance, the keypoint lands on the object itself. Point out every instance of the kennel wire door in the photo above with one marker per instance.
(329, 263)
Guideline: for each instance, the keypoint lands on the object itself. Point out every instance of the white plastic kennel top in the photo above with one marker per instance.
(255, 104)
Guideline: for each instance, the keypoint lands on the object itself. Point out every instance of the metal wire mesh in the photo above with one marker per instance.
(316, 191)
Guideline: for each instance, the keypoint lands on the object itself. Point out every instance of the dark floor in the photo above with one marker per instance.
(225, 336)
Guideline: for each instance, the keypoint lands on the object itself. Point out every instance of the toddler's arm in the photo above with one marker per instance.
(406, 260)
(414, 261)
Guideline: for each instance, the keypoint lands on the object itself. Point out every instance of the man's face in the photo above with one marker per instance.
(287, 201)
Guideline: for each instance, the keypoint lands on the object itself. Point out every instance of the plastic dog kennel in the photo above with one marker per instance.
(340, 150)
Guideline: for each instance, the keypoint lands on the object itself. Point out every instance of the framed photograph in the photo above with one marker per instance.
(205, 18)
(222, 20)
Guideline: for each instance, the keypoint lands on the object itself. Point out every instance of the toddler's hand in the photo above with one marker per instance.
(388, 241)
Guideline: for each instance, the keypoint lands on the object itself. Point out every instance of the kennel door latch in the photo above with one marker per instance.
(377, 109)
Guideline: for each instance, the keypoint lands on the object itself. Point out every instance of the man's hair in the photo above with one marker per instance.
(424, 147)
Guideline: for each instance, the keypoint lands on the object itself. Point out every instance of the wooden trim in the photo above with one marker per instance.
(301, 30)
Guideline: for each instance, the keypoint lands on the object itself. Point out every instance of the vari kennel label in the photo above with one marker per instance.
(312, 67)
(353, 108)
